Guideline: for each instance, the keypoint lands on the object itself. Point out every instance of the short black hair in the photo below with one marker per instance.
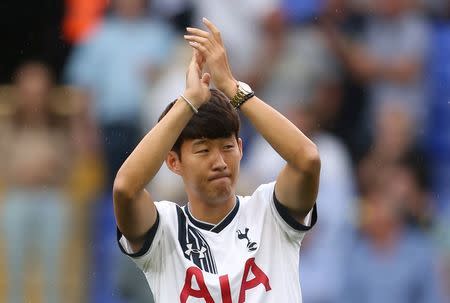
(216, 118)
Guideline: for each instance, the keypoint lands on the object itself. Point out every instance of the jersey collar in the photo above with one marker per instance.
(213, 227)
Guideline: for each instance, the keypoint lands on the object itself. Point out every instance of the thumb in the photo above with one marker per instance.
(206, 78)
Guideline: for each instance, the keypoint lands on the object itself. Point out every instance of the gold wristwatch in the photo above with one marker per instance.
(244, 93)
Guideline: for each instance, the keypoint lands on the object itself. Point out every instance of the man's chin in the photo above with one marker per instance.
(220, 194)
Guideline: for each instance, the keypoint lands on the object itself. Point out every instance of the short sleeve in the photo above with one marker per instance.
(276, 214)
(294, 229)
(285, 217)
(153, 242)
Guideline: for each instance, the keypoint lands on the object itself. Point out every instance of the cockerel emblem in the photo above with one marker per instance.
(244, 235)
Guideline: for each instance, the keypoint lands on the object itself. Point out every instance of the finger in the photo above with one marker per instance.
(206, 78)
(197, 39)
(200, 59)
(198, 32)
(203, 50)
(213, 29)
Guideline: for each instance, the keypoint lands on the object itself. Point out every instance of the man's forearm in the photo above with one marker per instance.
(287, 140)
(297, 182)
(147, 158)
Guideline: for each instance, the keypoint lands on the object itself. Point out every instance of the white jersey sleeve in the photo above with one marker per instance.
(148, 258)
(264, 200)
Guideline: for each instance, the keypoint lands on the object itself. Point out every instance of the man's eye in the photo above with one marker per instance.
(202, 151)
(229, 146)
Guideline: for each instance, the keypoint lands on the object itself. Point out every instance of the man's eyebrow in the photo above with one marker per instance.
(199, 141)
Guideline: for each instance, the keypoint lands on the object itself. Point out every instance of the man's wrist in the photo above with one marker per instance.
(230, 89)
(192, 98)
(191, 105)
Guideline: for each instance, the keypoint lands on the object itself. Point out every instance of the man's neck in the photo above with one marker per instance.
(211, 213)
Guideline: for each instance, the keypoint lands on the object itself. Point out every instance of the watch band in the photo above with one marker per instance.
(240, 98)
(237, 102)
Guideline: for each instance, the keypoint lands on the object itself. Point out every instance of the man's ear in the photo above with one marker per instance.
(239, 141)
(173, 162)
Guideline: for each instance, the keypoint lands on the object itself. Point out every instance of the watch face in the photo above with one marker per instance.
(245, 88)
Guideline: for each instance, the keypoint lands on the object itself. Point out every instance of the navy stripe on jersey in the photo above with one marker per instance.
(194, 245)
(148, 239)
(224, 223)
(290, 220)
(211, 227)
(199, 224)
(211, 259)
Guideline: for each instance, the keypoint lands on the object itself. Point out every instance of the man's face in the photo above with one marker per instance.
(210, 167)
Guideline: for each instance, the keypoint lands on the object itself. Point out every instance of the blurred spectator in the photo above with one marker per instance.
(394, 152)
(393, 139)
(38, 150)
(390, 57)
(321, 254)
(411, 191)
(117, 66)
(387, 260)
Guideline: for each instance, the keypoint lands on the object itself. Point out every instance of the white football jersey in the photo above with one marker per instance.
(252, 255)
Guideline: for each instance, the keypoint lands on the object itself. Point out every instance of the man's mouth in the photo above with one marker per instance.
(218, 177)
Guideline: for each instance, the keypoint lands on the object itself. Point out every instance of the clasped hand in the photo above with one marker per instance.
(210, 51)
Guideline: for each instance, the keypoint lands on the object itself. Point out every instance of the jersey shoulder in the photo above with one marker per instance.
(263, 194)
(166, 207)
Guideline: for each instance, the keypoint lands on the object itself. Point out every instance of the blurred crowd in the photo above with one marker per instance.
(367, 80)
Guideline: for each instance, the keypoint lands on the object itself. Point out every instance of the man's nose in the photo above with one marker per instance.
(219, 162)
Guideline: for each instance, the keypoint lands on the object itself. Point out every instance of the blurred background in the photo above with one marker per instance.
(81, 81)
